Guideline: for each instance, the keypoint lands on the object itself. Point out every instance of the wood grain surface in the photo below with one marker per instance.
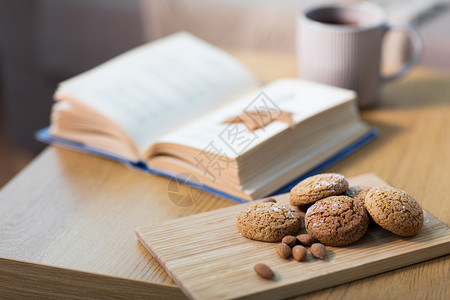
(22, 280)
(48, 211)
(209, 259)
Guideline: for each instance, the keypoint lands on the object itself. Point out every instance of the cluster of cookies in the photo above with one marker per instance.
(336, 215)
(339, 215)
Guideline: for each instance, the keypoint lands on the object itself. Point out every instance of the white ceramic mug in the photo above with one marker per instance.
(340, 45)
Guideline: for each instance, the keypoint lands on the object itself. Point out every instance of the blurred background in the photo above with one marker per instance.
(43, 42)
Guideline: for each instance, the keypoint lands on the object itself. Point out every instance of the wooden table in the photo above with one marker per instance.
(67, 221)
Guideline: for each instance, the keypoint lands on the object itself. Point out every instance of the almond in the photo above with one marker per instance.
(283, 250)
(270, 200)
(306, 239)
(318, 250)
(264, 271)
(299, 253)
(289, 240)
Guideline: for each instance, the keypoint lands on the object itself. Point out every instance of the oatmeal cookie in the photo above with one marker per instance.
(317, 187)
(394, 210)
(358, 192)
(268, 221)
(337, 220)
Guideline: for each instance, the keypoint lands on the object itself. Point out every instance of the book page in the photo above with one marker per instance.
(155, 88)
(302, 98)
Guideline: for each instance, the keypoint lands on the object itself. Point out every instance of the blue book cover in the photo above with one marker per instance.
(44, 136)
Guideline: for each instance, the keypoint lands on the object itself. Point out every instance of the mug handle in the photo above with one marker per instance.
(417, 42)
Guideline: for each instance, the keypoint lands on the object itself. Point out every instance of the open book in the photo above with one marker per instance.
(175, 107)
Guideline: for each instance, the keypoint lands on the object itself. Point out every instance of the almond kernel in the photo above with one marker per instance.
(306, 239)
(299, 253)
(318, 250)
(263, 271)
(289, 240)
(283, 250)
(270, 200)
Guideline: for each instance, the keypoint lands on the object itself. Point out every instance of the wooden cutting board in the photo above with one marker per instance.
(208, 258)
